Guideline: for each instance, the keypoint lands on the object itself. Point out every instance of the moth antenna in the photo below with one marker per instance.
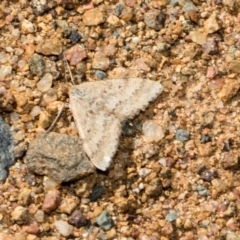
(55, 120)
(68, 67)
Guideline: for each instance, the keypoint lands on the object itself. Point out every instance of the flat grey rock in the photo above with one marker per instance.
(6, 149)
(58, 156)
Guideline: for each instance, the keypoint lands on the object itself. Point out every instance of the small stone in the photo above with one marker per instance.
(77, 219)
(6, 149)
(152, 131)
(111, 234)
(235, 66)
(63, 158)
(229, 89)
(182, 135)
(126, 14)
(39, 216)
(37, 65)
(154, 188)
(44, 120)
(100, 61)
(24, 196)
(33, 228)
(206, 138)
(20, 215)
(198, 37)
(171, 217)
(128, 129)
(143, 172)
(210, 47)
(35, 111)
(75, 37)
(51, 201)
(118, 9)
(209, 175)
(154, 18)
(211, 25)
(230, 160)
(40, 6)
(105, 221)
(97, 192)
(93, 17)
(68, 204)
(45, 83)
(5, 71)
(212, 72)
(75, 54)
(27, 27)
(6, 100)
(63, 228)
(48, 97)
(100, 74)
(50, 47)
(202, 191)
(205, 150)
(50, 184)
(114, 21)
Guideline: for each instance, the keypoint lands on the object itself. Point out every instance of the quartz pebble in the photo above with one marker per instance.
(152, 131)
(45, 83)
(63, 228)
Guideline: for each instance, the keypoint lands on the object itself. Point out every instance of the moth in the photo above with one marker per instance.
(99, 108)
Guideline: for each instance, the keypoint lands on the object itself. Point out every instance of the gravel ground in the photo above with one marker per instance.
(176, 173)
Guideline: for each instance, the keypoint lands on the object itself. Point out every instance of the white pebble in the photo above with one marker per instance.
(143, 172)
(135, 39)
(22, 63)
(35, 111)
(39, 216)
(63, 228)
(14, 117)
(45, 83)
(3, 57)
(49, 184)
(5, 71)
(27, 27)
(152, 131)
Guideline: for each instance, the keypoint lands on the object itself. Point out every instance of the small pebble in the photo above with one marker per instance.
(209, 175)
(63, 228)
(171, 217)
(104, 220)
(97, 192)
(77, 219)
(182, 135)
(152, 131)
(100, 74)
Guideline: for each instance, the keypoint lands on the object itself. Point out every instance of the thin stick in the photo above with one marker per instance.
(69, 70)
(55, 120)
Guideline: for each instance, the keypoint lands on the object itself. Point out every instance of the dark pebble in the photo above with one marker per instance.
(182, 135)
(75, 37)
(118, 9)
(37, 65)
(227, 146)
(128, 129)
(97, 192)
(6, 149)
(100, 74)
(209, 175)
(77, 219)
(206, 138)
